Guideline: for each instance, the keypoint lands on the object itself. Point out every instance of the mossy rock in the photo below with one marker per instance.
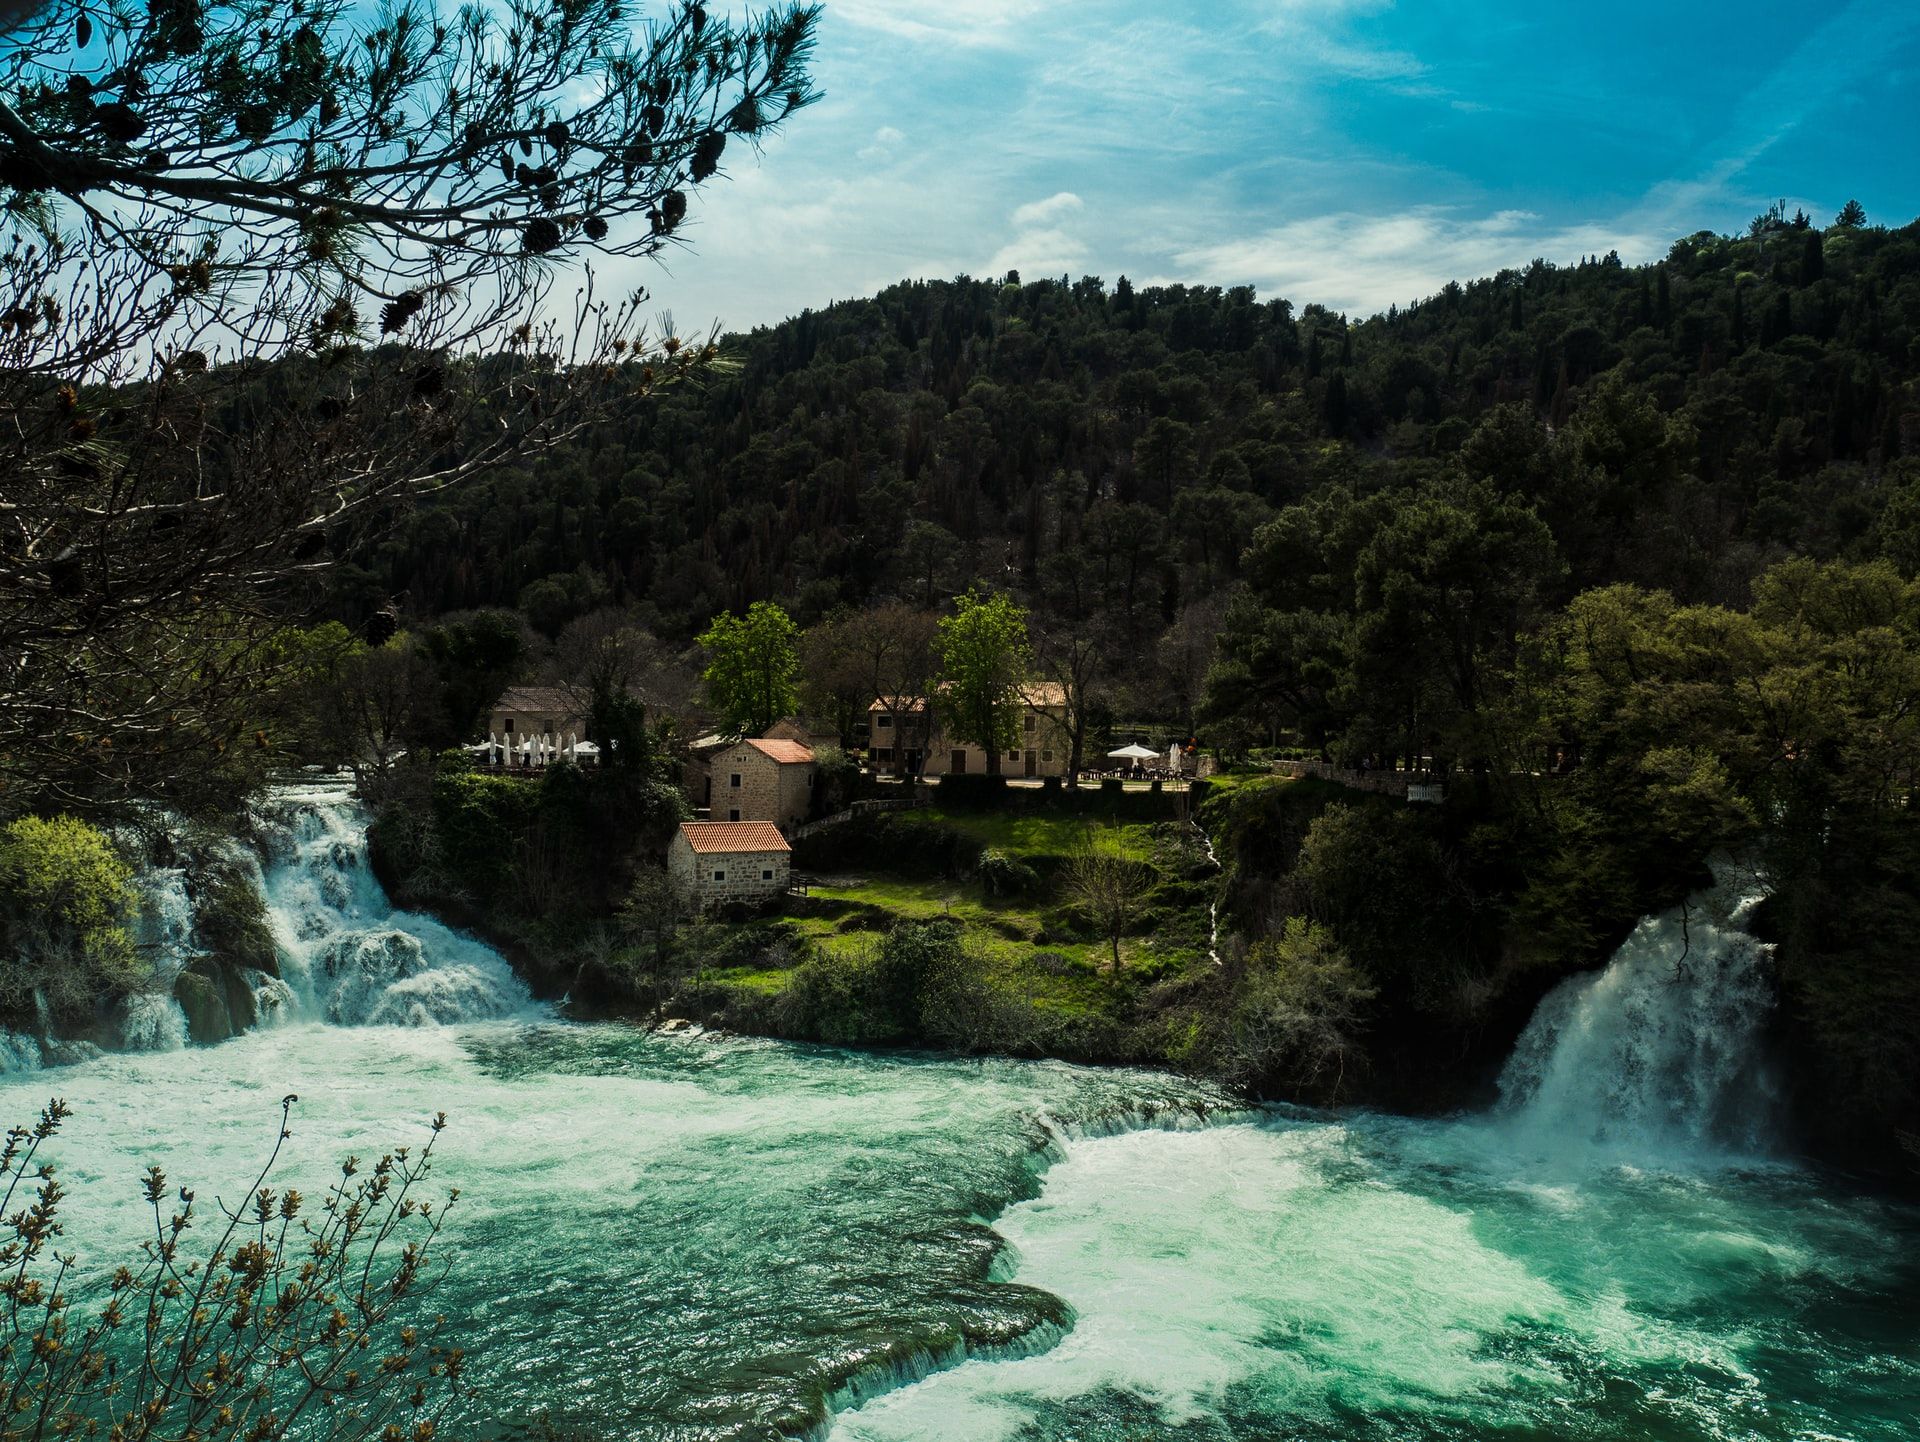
(232, 920)
(217, 998)
(205, 1004)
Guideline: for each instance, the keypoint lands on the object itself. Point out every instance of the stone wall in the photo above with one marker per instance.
(768, 790)
(744, 882)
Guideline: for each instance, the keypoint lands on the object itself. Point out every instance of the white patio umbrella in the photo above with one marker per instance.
(585, 748)
(1133, 752)
(1173, 758)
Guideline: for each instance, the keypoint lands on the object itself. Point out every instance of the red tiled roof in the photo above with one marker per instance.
(710, 837)
(787, 753)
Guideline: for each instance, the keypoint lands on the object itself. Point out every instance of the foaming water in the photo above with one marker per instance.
(658, 1238)
(1660, 1052)
(349, 957)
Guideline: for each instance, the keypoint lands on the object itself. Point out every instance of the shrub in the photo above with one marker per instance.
(66, 910)
(1002, 875)
(1302, 1006)
(969, 792)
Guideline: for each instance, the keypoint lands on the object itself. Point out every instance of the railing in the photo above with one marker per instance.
(1415, 786)
(858, 809)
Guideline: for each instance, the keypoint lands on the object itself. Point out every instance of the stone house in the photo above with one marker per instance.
(906, 739)
(730, 863)
(523, 711)
(760, 780)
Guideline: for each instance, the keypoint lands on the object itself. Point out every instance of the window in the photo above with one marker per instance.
(1046, 756)
(885, 722)
(1029, 719)
(809, 781)
(883, 753)
(733, 813)
(766, 873)
(508, 725)
(733, 780)
(719, 876)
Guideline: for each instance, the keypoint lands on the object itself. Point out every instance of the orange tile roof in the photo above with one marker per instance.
(787, 753)
(710, 837)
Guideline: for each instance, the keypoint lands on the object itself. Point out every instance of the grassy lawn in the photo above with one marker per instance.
(1034, 834)
(1029, 947)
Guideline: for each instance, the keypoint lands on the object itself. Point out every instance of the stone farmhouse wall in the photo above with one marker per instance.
(768, 789)
(745, 877)
(1042, 741)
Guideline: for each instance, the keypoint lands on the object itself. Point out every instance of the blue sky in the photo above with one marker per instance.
(1351, 152)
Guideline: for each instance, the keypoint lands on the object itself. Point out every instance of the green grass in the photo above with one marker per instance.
(1025, 956)
(748, 979)
(1038, 834)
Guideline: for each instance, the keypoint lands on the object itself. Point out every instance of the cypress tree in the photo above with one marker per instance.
(1813, 258)
(1336, 405)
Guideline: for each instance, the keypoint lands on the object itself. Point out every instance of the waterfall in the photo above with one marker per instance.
(1660, 1051)
(152, 1020)
(348, 956)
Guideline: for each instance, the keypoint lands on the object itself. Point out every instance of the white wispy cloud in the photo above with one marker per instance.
(886, 141)
(1040, 212)
(963, 22)
(1365, 263)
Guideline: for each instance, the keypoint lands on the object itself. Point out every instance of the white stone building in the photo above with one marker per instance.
(904, 738)
(760, 780)
(725, 863)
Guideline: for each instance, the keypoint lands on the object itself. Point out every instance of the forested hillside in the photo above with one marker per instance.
(1111, 448)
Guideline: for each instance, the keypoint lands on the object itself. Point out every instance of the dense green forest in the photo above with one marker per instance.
(1676, 425)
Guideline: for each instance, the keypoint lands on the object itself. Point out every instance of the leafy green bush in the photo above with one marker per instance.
(1300, 1010)
(1002, 875)
(479, 822)
(67, 906)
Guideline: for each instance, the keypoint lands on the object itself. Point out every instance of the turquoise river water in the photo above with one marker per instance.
(700, 1238)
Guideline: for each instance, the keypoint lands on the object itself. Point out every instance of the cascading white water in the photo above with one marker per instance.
(348, 956)
(151, 1020)
(1663, 1048)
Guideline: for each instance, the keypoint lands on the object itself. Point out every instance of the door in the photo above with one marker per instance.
(959, 766)
(1033, 763)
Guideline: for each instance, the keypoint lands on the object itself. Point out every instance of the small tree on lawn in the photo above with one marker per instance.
(984, 657)
(753, 667)
(1105, 884)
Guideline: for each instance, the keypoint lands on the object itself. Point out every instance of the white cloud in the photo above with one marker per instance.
(1038, 253)
(962, 22)
(886, 140)
(1041, 212)
(1365, 263)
